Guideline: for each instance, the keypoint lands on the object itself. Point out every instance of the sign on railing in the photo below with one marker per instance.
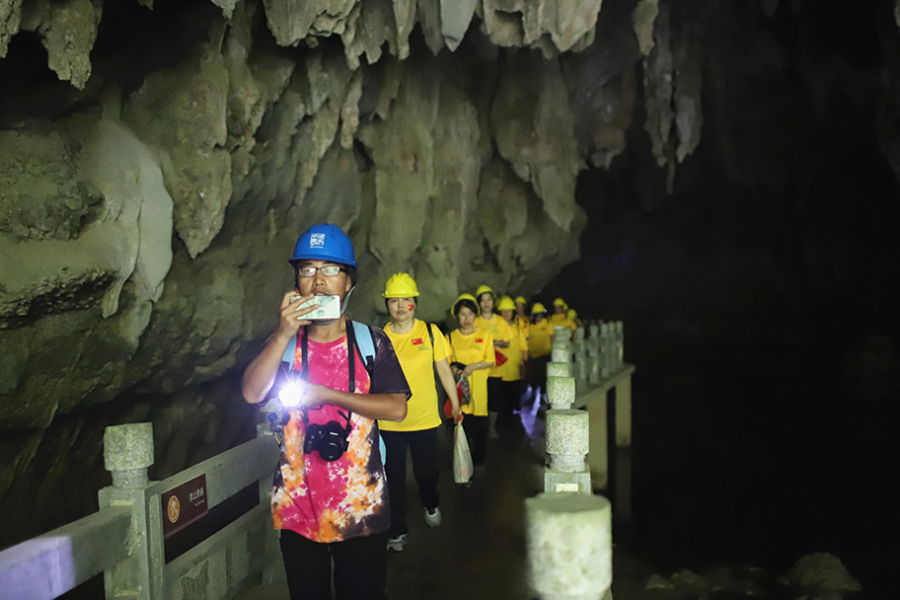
(185, 504)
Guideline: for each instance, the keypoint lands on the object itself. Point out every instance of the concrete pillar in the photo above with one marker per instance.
(620, 344)
(594, 330)
(558, 369)
(127, 453)
(273, 572)
(606, 350)
(560, 355)
(579, 333)
(567, 439)
(560, 391)
(594, 358)
(579, 361)
(569, 546)
(567, 444)
(598, 455)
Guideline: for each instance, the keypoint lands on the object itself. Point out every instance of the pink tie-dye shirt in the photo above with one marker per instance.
(333, 501)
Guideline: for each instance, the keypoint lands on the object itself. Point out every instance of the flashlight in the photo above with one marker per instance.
(290, 395)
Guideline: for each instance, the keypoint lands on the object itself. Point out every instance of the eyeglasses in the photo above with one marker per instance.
(327, 271)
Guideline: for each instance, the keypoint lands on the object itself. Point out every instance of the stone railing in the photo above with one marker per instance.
(569, 529)
(124, 540)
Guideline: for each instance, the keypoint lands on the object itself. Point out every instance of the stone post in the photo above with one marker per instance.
(567, 444)
(579, 362)
(560, 391)
(127, 453)
(556, 369)
(273, 572)
(594, 358)
(620, 344)
(579, 333)
(606, 350)
(569, 546)
(595, 330)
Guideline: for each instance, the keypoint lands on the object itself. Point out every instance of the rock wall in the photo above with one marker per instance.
(159, 159)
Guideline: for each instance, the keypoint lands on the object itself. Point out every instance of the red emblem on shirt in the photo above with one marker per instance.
(478, 340)
(417, 342)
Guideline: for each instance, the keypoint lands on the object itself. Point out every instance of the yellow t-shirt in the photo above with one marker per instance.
(561, 321)
(499, 330)
(467, 349)
(518, 349)
(523, 324)
(539, 342)
(417, 361)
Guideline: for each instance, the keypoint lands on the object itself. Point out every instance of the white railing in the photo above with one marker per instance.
(124, 540)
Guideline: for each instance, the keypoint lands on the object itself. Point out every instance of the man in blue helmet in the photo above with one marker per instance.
(330, 500)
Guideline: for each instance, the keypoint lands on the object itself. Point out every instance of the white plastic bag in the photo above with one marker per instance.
(462, 458)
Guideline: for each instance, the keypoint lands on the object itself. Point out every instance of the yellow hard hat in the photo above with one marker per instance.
(483, 289)
(506, 303)
(559, 302)
(465, 297)
(521, 300)
(538, 308)
(572, 314)
(400, 285)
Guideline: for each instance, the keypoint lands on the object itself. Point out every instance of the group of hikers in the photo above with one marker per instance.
(363, 397)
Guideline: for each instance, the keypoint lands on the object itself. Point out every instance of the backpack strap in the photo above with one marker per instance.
(365, 344)
(290, 352)
(428, 326)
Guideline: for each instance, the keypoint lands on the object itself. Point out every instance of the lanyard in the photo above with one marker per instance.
(351, 362)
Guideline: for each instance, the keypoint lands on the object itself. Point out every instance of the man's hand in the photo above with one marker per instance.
(469, 370)
(291, 318)
(298, 394)
(501, 344)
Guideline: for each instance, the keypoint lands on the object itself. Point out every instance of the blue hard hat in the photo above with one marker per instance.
(325, 242)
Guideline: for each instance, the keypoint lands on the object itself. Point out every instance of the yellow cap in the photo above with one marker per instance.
(400, 285)
(483, 289)
(559, 302)
(465, 297)
(506, 303)
(521, 300)
(571, 315)
(538, 308)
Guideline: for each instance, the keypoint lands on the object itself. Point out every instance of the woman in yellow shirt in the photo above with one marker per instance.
(421, 350)
(540, 342)
(522, 319)
(472, 354)
(500, 332)
(514, 369)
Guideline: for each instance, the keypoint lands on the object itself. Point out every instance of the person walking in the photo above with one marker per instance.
(522, 318)
(540, 343)
(514, 368)
(472, 355)
(422, 351)
(336, 379)
(501, 334)
(572, 315)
